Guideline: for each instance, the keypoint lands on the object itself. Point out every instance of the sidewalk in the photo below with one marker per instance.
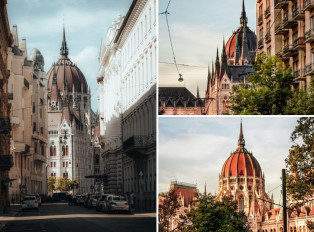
(12, 212)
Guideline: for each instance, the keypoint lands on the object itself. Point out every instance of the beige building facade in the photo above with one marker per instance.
(27, 85)
(286, 29)
(6, 161)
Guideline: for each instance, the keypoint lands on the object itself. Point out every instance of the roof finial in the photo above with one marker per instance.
(241, 141)
(198, 92)
(64, 49)
(205, 192)
(243, 19)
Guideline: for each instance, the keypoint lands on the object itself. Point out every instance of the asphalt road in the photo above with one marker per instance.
(60, 217)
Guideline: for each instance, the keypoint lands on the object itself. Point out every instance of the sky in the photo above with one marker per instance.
(86, 24)
(194, 149)
(197, 28)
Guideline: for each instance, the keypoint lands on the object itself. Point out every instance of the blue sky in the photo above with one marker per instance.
(197, 28)
(194, 149)
(86, 23)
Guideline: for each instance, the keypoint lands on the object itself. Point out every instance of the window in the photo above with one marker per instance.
(54, 151)
(34, 107)
(241, 203)
(51, 151)
(67, 150)
(63, 164)
(34, 127)
(35, 146)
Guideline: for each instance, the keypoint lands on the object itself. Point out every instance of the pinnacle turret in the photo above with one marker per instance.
(241, 141)
(64, 52)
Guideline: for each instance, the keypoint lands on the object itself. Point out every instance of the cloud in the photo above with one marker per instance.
(195, 149)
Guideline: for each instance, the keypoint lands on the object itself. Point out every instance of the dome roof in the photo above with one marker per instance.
(37, 58)
(237, 38)
(241, 162)
(66, 73)
(242, 44)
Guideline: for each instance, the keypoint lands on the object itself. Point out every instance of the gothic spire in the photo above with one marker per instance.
(217, 63)
(205, 192)
(243, 19)
(198, 92)
(245, 48)
(224, 60)
(208, 76)
(241, 141)
(64, 49)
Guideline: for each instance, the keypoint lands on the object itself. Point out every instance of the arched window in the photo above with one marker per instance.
(67, 150)
(241, 203)
(63, 150)
(54, 151)
(51, 150)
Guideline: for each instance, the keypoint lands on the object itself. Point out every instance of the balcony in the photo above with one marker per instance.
(137, 146)
(39, 158)
(6, 162)
(309, 69)
(261, 43)
(15, 121)
(267, 12)
(289, 23)
(267, 37)
(279, 30)
(298, 14)
(309, 36)
(260, 19)
(308, 4)
(299, 43)
(299, 75)
(280, 4)
(289, 51)
(5, 126)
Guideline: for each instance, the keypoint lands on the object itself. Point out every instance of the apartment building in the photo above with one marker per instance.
(286, 28)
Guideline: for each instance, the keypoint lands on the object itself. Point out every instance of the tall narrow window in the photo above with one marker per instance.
(241, 203)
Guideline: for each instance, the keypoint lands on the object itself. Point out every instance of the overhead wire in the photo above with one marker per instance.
(170, 38)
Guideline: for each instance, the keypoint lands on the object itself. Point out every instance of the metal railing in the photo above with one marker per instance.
(138, 141)
(299, 41)
(309, 68)
(267, 12)
(309, 34)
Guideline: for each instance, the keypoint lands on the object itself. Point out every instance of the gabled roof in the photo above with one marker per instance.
(175, 92)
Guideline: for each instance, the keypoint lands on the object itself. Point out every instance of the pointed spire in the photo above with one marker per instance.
(64, 49)
(243, 19)
(208, 76)
(245, 48)
(224, 60)
(241, 141)
(217, 63)
(205, 192)
(198, 92)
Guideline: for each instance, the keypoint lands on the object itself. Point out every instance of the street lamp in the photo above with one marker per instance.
(180, 78)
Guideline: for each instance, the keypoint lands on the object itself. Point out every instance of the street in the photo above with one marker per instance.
(60, 217)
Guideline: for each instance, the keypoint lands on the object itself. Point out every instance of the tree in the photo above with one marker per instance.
(208, 214)
(269, 89)
(302, 103)
(168, 205)
(300, 164)
(62, 184)
(51, 184)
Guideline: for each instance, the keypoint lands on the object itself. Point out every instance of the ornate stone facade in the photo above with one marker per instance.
(127, 94)
(5, 127)
(69, 122)
(235, 65)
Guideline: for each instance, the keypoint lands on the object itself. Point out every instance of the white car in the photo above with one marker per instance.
(117, 203)
(30, 202)
(37, 197)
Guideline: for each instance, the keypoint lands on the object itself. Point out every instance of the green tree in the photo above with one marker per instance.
(51, 184)
(300, 164)
(62, 184)
(302, 103)
(269, 89)
(168, 206)
(208, 214)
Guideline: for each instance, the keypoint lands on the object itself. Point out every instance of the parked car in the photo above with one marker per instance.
(37, 197)
(92, 200)
(117, 203)
(30, 202)
(101, 202)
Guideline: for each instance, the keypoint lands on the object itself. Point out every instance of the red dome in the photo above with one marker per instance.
(237, 37)
(241, 162)
(73, 76)
(65, 69)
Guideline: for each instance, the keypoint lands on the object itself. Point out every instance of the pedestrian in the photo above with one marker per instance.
(132, 200)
